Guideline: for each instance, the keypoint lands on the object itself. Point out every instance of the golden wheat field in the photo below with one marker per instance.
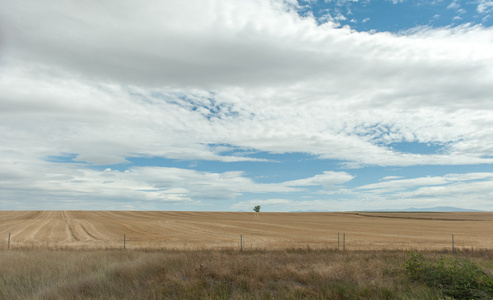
(224, 230)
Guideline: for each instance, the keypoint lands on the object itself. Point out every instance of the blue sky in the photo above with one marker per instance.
(397, 16)
(224, 105)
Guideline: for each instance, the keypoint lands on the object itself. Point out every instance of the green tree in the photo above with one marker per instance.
(256, 208)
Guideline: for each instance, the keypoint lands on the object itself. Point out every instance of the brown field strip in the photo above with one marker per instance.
(222, 230)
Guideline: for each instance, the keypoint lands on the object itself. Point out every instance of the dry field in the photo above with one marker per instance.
(222, 230)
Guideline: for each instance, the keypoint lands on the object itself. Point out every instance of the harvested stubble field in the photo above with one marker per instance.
(222, 230)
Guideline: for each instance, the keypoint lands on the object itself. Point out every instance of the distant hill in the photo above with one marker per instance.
(409, 209)
(434, 209)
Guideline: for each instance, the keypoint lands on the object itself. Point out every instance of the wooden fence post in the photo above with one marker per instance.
(338, 239)
(453, 246)
(9, 241)
(124, 241)
(241, 242)
(344, 242)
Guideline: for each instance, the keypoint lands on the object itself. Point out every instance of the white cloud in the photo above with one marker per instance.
(181, 79)
(485, 6)
(454, 4)
(391, 177)
(171, 43)
(340, 17)
(326, 179)
(155, 187)
(468, 190)
(403, 184)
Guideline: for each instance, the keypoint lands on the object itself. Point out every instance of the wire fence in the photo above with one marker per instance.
(340, 241)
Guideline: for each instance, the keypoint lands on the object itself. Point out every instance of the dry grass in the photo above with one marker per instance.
(222, 230)
(208, 274)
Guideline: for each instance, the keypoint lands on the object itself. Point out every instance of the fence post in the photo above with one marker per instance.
(241, 242)
(453, 246)
(338, 239)
(124, 241)
(9, 241)
(344, 242)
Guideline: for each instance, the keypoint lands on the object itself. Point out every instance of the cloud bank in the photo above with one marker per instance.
(106, 82)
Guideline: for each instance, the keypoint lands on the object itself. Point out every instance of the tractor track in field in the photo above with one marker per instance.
(86, 232)
(77, 231)
(70, 230)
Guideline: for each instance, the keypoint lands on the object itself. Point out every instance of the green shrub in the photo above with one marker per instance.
(459, 278)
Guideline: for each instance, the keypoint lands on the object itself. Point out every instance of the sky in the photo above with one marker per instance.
(212, 105)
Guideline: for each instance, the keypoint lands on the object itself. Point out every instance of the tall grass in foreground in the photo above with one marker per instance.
(208, 274)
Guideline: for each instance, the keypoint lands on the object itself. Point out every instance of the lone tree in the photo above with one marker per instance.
(256, 208)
